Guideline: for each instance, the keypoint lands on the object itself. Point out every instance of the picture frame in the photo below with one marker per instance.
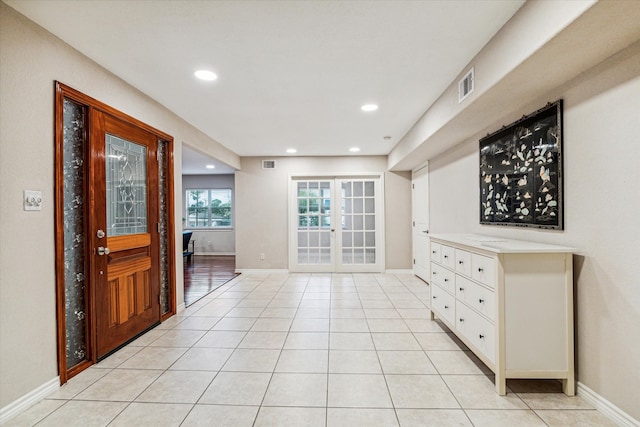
(521, 172)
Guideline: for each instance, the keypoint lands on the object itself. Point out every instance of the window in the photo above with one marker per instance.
(208, 208)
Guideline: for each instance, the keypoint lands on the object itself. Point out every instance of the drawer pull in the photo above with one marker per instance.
(460, 262)
(461, 289)
(481, 336)
(480, 300)
(446, 280)
(433, 252)
(461, 320)
(480, 270)
(435, 296)
(446, 307)
(446, 256)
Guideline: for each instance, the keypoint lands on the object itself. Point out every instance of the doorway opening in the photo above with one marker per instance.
(206, 273)
(208, 223)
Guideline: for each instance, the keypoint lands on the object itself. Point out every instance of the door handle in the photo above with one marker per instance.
(103, 251)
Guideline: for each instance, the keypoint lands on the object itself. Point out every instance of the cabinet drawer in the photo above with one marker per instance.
(479, 331)
(477, 297)
(483, 269)
(443, 304)
(463, 262)
(443, 278)
(435, 251)
(448, 257)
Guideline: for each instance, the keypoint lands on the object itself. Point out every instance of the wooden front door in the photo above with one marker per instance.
(123, 230)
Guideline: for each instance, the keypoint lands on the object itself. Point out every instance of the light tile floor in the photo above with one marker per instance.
(304, 350)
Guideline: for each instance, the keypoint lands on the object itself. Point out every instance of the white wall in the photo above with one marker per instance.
(602, 200)
(262, 207)
(212, 242)
(30, 60)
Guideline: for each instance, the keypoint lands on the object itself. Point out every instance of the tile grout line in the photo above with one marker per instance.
(393, 404)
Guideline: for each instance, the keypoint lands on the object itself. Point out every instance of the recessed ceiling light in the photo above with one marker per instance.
(369, 107)
(291, 150)
(210, 166)
(354, 149)
(206, 75)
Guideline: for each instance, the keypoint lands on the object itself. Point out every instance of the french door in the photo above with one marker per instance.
(336, 224)
(123, 222)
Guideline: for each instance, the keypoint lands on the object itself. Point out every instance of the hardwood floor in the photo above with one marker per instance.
(206, 273)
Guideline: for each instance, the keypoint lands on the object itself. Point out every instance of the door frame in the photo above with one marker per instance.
(421, 171)
(337, 239)
(88, 103)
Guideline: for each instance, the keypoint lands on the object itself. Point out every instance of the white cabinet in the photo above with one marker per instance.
(509, 301)
(435, 252)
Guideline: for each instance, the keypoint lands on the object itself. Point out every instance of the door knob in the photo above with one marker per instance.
(103, 251)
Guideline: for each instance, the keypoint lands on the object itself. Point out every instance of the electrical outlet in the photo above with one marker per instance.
(261, 256)
(32, 200)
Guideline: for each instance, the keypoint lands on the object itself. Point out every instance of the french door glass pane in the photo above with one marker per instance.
(358, 214)
(126, 176)
(314, 222)
(369, 189)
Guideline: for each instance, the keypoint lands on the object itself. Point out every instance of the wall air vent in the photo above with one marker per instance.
(465, 86)
(268, 164)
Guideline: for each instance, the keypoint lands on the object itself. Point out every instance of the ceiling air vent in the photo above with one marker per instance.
(465, 86)
(268, 164)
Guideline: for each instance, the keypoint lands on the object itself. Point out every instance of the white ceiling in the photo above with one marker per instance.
(291, 74)
(195, 163)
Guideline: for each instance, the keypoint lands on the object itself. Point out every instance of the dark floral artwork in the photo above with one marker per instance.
(521, 172)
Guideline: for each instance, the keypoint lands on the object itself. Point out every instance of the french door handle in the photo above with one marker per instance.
(103, 251)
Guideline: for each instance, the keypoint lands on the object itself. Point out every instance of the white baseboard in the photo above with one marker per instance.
(607, 408)
(214, 253)
(180, 308)
(399, 271)
(262, 271)
(23, 403)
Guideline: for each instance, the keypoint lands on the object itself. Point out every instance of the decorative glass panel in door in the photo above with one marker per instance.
(126, 172)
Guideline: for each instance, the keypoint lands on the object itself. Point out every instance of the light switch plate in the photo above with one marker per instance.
(32, 200)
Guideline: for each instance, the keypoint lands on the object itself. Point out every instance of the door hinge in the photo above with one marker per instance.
(413, 186)
(414, 261)
(414, 223)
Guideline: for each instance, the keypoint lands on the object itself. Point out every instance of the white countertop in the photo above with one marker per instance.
(500, 245)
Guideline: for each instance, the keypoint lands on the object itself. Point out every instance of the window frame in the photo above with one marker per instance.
(209, 209)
